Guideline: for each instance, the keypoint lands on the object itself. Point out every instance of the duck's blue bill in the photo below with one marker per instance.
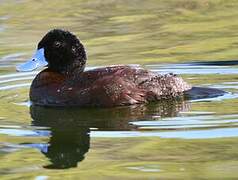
(38, 60)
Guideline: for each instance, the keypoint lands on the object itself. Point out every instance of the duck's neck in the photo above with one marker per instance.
(73, 70)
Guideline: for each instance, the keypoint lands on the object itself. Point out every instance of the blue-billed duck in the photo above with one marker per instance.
(65, 83)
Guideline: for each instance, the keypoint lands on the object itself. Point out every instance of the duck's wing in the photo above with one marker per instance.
(140, 85)
(109, 91)
(135, 74)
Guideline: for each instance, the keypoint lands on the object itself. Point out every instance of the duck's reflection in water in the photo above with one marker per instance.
(70, 127)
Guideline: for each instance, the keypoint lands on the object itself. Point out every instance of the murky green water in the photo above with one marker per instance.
(167, 140)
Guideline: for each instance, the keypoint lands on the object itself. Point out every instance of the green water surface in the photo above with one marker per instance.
(167, 140)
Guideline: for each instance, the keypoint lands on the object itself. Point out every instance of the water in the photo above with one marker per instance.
(194, 139)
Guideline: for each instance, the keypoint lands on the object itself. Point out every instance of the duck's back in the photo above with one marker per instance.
(109, 86)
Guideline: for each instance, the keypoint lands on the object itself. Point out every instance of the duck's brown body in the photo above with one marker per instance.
(105, 87)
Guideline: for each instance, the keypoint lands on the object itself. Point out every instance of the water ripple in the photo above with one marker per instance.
(15, 86)
(186, 124)
(184, 134)
(194, 69)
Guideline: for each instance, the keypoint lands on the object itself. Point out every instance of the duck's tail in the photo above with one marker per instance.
(203, 92)
(164, 87)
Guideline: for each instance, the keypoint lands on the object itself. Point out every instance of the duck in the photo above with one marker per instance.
(65, 82)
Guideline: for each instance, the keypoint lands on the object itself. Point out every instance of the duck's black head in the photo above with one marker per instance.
(61, 51)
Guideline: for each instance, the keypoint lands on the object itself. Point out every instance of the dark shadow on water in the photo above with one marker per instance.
(214, 63)
(70, 127)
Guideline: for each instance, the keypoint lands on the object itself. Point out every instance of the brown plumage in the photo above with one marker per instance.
(107, 87)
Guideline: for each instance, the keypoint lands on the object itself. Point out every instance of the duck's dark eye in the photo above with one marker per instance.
(57, 44)
(73, 49)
